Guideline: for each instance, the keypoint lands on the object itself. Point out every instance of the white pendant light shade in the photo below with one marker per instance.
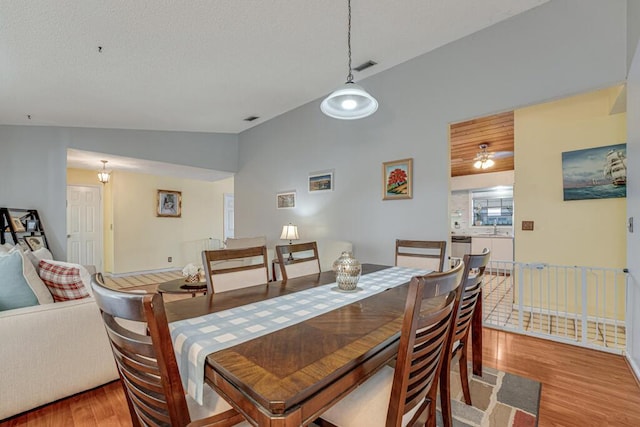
(349, 102)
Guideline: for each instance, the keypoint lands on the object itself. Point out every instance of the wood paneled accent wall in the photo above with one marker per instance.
(496, 131)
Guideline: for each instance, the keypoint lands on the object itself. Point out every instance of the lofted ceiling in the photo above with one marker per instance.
(465, 138)
(205, 65)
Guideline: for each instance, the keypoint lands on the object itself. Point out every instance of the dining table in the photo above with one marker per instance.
(290, 376)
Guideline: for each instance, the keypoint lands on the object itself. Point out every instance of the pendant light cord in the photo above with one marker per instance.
(350, 75)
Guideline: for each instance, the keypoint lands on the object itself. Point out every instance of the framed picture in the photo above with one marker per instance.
(320, 182)
(32, 224)
(17, 224)
(169, 204)
(286, 200)
(595, 173)
(23, 245)
(34, 242)
(397, 179)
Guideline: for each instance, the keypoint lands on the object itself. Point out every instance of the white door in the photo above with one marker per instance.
(84, 225)
(228, 216)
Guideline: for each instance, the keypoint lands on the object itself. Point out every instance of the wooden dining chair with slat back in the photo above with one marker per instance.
(421, 254)
(297, 260)
(471, 293)
(137, 328)
(402, 396)
(229, 269)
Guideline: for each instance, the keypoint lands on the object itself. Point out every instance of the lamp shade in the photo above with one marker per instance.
(289, 232)
(349, 102)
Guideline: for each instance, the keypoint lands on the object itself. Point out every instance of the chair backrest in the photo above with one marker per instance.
(228, 269)
(471, 287)
(424, 342)
(146, 363)
(421, 254)
(298, 260)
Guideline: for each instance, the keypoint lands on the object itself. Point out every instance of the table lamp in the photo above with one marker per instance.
(290, 233)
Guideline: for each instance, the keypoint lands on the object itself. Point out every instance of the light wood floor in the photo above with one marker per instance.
(580, 388)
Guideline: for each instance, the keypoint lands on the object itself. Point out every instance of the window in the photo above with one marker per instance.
(493, 206)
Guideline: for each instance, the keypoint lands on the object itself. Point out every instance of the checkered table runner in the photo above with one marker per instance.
(195, 338)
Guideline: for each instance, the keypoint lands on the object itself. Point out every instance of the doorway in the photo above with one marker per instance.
(84, 225)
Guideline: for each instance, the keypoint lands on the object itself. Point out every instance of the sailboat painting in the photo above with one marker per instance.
(595, 173)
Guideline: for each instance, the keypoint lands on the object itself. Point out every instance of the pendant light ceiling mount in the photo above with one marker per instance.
(350, 101)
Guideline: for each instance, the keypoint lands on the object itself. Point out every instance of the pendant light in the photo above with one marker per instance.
(103, 175)
(350, 101)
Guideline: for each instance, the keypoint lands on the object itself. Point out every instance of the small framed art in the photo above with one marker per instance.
(397, 179)
(286, 200)
(32, 224)
(17, 224)
(169, 204)
(320, 182)
(34, 242)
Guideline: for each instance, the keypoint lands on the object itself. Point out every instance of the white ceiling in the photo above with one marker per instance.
(204, 65)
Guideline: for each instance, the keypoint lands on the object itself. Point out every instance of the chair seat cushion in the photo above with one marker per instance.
(367, 405)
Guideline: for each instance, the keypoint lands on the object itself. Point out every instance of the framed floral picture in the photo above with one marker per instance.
(397, 179)
(169, 204)
(286, 200)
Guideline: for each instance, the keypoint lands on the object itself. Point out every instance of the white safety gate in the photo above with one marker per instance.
(577, 305)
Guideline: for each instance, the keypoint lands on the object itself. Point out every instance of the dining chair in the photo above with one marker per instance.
(297, 260)
(139, 335)
(228, 269)
(421, 254)
(471, 292)
(401, 396)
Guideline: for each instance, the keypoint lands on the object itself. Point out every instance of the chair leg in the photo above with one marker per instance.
(445, 391)
(464, 375)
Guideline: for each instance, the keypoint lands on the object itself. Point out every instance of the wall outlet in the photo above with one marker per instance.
(170, 259)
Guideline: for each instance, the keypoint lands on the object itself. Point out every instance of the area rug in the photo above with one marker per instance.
(499, 399)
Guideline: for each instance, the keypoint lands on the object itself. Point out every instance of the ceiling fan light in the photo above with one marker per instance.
(488, 163)
(349, 102)
(477, 164)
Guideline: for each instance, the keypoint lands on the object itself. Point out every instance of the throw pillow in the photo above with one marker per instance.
(64, 282)
(37, 255)
(84, 273)
(14, 289)
(31, 276)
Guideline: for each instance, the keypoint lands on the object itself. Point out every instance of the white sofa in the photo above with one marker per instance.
(51, 351)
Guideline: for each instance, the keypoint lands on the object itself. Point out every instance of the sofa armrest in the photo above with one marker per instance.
(52, 351)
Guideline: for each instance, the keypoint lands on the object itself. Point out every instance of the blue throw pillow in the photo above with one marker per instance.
(14, 289)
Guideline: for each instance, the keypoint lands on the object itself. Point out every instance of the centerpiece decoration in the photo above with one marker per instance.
(348, 270)
(192, 273)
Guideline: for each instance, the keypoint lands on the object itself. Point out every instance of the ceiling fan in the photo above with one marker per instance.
(484, 159)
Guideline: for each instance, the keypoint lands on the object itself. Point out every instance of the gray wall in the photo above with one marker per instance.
(33, 162)
(561, 48)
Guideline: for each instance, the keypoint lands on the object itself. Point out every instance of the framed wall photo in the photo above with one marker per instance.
(397, 179)
(595, 173)
(17, 224)
(34, 242)
(320, 182)
(286, 200)
(169, 204)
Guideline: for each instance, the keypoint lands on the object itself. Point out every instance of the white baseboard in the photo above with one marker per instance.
(635, 369)
(137, 273)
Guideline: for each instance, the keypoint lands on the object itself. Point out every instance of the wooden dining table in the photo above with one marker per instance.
(291, 376)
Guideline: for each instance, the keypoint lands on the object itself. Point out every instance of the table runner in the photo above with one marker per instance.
(195, 338)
